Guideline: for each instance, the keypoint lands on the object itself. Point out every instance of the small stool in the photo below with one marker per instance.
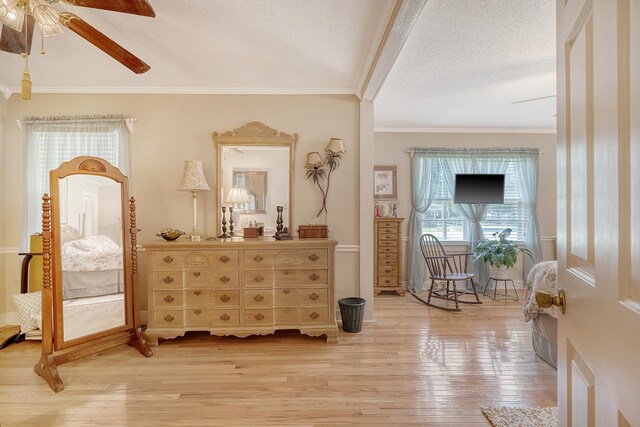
(495, 289)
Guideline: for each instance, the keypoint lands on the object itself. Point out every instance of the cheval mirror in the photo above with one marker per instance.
(259, 160)
(90, 297)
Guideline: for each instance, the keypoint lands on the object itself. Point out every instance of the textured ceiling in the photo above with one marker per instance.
(466, 61)
(462, 66)
(213, 46)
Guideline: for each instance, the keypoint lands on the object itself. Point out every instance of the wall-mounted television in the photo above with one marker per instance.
(479, 188)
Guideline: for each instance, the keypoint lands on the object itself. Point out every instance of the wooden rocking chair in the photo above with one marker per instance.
(449, 268)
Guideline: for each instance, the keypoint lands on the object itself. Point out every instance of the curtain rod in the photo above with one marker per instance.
(474, 150)
(77, 119)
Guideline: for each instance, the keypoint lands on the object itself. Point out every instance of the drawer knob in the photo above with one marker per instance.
(314, 296)
(224, 258)
(169, 318)
(314, 257)
(258, 278)
(225, 298)
(258, 258)
(258, 316)
(387, 270)
(197, 293)
(258, 298)
(314, 315)
(197, 311)
(224, 279)
(196, 274)
(314, 277)
(167, 279)
(225, 317)
(168, 299)
(387, 281)
(286, 291)
(168, 259)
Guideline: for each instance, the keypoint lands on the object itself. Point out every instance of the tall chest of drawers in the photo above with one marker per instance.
(388, 255)
(241, 288)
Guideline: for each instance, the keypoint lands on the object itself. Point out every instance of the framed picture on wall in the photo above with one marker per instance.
(385, 182)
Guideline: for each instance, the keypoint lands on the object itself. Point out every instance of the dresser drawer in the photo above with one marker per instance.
(313, 296)
(224, 279)
(387, 281)
(286, 297)
(223, 259)
(286, 278)
(196, 298)
(258, 298)
(168, 318)
(227, 298)
(388, 224)
(258, 279)
(385, 230)
(387, 243)
(167, 298)
(388, 250)
(388, 237)
(388, 256)
(259, 259)
(225, 317)
(315, 258)
(167, 260)
(258, 316)
(387, 262)
(167, 280)
(387, 270)
(196, 279)
(287, 316)
(314, 315)
(197, 317)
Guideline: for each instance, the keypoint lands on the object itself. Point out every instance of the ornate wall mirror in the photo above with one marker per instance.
(259, 159)
(90, 298)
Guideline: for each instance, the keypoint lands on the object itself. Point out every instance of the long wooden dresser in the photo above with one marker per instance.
(388, 255)
(241, 287)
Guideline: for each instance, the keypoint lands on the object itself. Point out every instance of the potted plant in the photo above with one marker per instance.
(500, 253)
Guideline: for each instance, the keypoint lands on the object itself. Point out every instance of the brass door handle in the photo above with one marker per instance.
(225, 298)
(258, 316)
(197, 293)
(224, 279)
(167, 259)
(168, 299)
(314, 277)
(225, 317)
(169, 318)
(314, 257)
(257, 258)
(258, 298)
(314, 296)
(314, 315)
(546, 300)
(196, 274)
(387, 270)
(197, 311)
(286, 291)
(167, 279)
(224, 258)
(258, 278)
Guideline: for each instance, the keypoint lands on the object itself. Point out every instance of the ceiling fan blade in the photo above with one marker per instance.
(533, 99)
(104, 43)
(135, 7)
(13, 41)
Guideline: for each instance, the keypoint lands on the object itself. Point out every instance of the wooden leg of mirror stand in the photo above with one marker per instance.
(47, 369)
(137, 341)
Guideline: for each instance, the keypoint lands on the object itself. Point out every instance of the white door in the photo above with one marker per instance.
(599, 211)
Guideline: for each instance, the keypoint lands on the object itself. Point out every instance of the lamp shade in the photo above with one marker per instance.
(193, 177)
(12, 15)
(313, 160)
(237, 195)
(335, 146)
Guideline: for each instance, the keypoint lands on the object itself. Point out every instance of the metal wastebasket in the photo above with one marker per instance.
(352, 313)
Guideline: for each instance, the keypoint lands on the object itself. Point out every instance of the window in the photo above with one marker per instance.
(445, 221)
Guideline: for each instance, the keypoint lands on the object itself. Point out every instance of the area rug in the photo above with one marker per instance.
(503, 416)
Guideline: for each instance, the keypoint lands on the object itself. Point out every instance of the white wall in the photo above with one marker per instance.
(173, 128)
(390, 150)
(6, 302)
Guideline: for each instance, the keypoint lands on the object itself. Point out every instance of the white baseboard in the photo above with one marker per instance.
(11, 318)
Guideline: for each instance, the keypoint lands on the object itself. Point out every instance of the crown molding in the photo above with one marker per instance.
(195, 90)
(382, 129)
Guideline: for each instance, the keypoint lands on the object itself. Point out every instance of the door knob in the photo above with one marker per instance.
(546, 300)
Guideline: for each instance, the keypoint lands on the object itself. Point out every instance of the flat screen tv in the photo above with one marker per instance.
(479, 188)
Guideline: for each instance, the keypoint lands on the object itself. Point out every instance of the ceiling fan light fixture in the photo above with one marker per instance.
(51, 30)
(45, 14)
(11, 14)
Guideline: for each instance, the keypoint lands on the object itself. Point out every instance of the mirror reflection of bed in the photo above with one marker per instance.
(91, 254)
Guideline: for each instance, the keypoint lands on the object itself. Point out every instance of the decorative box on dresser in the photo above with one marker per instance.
(388, 255)
(241, 287)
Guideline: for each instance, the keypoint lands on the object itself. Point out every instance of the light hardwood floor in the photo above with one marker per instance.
(414, 366)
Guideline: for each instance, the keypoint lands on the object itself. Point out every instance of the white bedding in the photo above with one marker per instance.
(93, 253)
(542, 277)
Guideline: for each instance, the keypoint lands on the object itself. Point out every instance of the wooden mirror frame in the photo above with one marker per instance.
(55, 350)
(254, 134)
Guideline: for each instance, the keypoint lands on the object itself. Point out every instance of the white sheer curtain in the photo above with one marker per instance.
(526, 166)
(424, 174)
(53, 140)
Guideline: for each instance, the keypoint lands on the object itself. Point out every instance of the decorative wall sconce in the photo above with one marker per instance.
(193, 180)
(318, 168)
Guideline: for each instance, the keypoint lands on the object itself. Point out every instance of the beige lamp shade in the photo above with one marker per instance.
(335, 146)
(12, 15)
(193, 177)
(313, 160)
(237, 195)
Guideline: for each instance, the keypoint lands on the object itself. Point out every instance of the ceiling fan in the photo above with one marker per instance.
(20, 17)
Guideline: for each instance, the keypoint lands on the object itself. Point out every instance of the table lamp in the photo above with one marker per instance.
(193, 180)
(235, 196)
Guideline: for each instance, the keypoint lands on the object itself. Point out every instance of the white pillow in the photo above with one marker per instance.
(69, 233)
(29, 307)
